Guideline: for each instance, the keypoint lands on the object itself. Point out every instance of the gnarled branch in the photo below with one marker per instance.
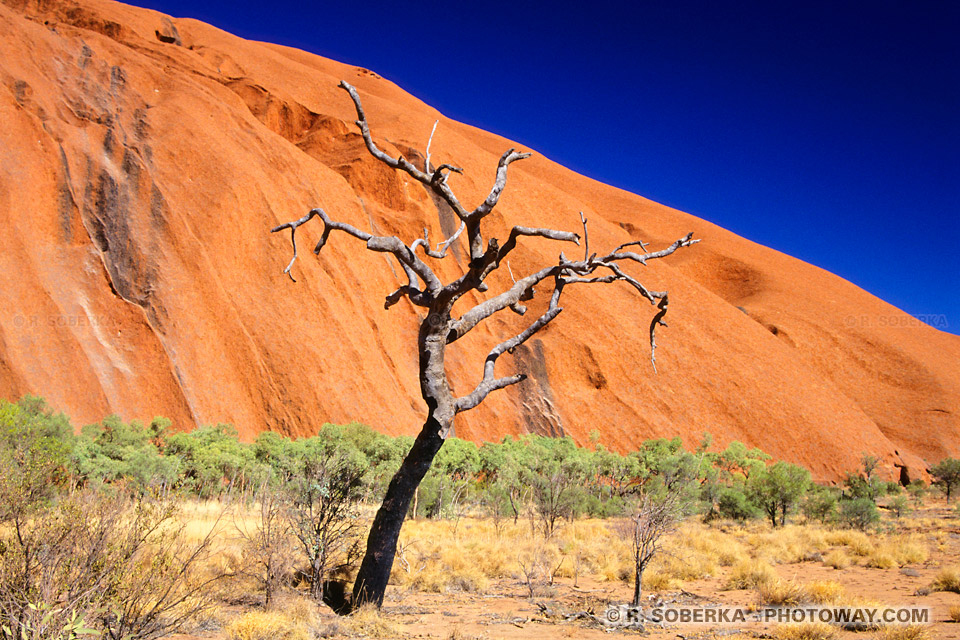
(490, 383)
(414, 268)
(487, 206)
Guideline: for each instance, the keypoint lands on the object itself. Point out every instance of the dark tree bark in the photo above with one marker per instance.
(441, 328)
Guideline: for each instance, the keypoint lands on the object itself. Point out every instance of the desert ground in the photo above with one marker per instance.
(476, 578)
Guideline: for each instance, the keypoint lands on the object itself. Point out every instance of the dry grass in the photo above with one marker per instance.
(470, 555)
(716, 545)
(825, 592)
(954, 613)
(838, 559)
(654, 580)
(859, 543)
(890, 554)
(780, 592)
(750, 574)
(371, 623)
(903, 632)
(805, 631)
(947, 580)
(879, 559)
(266, 625)
(457, 633)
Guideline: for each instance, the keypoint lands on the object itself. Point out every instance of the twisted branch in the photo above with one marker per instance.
(490, 383)
(414, 268)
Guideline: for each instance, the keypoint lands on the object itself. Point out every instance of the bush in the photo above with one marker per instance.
(858, 513)
(733, 504)
(946, 474)
(947, 580)
(820, 504)
(119, 563)
(777, 489)
(35, 447)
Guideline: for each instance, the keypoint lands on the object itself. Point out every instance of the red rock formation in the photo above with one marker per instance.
(145, 160)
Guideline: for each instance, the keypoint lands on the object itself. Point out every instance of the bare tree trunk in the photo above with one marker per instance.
(371, 583)
(637, 585)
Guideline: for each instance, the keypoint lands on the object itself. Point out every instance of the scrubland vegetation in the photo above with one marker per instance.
(132, 531)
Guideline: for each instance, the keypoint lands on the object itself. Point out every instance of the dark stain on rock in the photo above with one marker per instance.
(108, 219)
(66, 205)
(21, 92)
(141, 128)
(168, 33)
(591, 367)
(118, 80)
(158, 206)
(538, 409)
(109, 141)
(85, 54)
(131, 167)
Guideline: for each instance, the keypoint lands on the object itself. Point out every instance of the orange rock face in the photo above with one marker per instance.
(144, 160)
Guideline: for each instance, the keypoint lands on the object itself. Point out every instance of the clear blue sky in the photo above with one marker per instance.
(826, 130)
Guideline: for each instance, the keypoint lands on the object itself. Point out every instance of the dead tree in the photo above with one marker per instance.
(656, 514)
(441, 327)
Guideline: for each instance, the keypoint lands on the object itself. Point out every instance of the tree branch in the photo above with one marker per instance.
(426, 161)
(490, 383)
(411, 264)
(487, 308)
(293, 237)
(657, 320)
(441, 250)
(686, 241)
(501, 181)
(435, 180)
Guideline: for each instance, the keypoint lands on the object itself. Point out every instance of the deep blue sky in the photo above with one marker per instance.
(829, 131)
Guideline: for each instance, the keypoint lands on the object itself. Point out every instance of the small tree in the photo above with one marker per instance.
(733, 504)
(659, 509)
(821, 503)
(267, 544)
(441, 326)
(323, 514)
(556, 475)
(777, 489)
(858, 513)
(946, 475)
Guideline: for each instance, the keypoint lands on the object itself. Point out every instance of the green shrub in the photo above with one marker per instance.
(820, 504)
(946, 475)
(777, 489)
(858, 513)
(733, 504)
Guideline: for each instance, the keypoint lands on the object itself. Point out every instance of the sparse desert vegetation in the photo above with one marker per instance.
(130, 531)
